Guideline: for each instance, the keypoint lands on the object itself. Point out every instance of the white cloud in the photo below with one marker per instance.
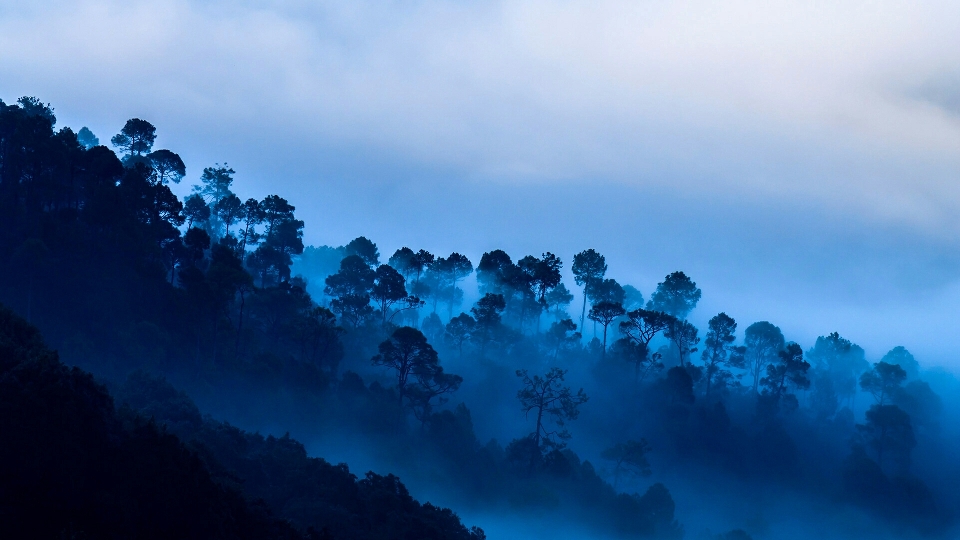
(825, 109)
(817, 100)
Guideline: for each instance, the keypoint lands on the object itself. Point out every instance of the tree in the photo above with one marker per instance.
(454, 268)
(432, 382)
(588, 266)
(632, 298)
(196, 210)
(86, 138)
(719, 352)
(433, 327)
(350, 287)
(628, 457)
(320, 339)
(35, 108)
(408, 353)
(605, 312)
(402, 261)
(606, 290)
(434, 278)
(365, 249)
(487, 313)
(388, 289)
(790, 370)
(136, 138)
(922, 404)
(492, 270)
(459, 330)
(842, 360)
(883, 381)
(551, 401)
(557, 301)
(225, 278)
(562, 335)
(901, 356)
(215, 186)
(641, 327)
(419, 263)
(196, 241)
(283, 237)
(763, 341)
(543, 275)
(167, 166)
(229, 210)
(684, 337)
(251, 214)
(889, 433)
(676, 295)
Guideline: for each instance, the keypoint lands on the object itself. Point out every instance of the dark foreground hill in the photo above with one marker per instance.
(72, 466)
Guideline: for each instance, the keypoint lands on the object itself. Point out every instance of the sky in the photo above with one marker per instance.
(800, 161)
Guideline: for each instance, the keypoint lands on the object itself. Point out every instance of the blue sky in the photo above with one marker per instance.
(801, 162)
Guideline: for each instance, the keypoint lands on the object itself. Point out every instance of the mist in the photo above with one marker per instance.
(438, 270)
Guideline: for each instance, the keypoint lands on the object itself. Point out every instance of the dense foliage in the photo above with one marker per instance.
(221, 298)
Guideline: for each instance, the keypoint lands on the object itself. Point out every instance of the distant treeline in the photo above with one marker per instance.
(211, 292)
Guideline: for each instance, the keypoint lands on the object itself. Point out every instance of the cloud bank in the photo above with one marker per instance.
(795, 156)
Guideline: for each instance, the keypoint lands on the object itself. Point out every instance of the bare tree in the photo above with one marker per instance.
(552, 402)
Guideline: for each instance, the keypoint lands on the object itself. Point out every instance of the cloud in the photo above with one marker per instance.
(833, 129)
(792, 99)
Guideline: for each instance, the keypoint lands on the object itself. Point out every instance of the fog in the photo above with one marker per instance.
(737, 165)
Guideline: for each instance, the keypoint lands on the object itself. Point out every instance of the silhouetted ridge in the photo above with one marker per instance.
(70, 465)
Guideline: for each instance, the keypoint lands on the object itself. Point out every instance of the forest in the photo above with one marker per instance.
(186, 366)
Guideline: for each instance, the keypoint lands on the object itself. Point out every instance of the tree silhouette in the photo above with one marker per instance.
(136, 138)
(883, 381)
(684, 337)
(229, 209)
(900, 356)
(763, 341)
(605, 312)
(459, 330)
(86, 138)
(632, 298)
(487, 313)
(351, 287)
(388, 289)
(365, 249)
(551, 402)
(543, 275)
(641, 327)
(790, 370)
(408, 354)
(889, 433)
(562, 335)
(628, 458)
(168, 166)
(676, 295)
(196, 210)
(588, 266)
(719, 352)
(252, 214)
(455, 268)
(492, 271)
(842, 361)
(432, 382)
(557, 301)
(402, 261)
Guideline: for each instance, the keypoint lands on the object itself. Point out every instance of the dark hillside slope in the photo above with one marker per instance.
(72, 466)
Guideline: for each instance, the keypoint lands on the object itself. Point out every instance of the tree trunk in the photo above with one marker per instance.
(583, 310)
(603, 354)
(236, 347)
